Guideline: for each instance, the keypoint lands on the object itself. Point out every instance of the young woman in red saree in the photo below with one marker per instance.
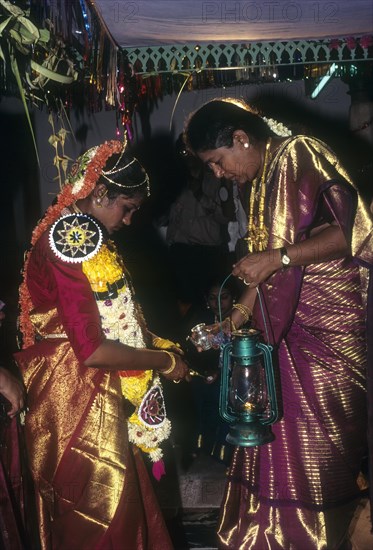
(87, 358)
(305, 225)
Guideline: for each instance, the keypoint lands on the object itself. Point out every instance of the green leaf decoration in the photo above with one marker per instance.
(52, 75)
(12, 8)
(45, 35)
(4, 24)
(30, 27)
(45, 61)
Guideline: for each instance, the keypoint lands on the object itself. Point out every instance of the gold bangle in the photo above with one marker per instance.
(173, 362)
(233, 326)
(244, 310)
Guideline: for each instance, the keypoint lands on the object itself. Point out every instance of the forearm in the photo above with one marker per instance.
(328, 243)
(247, 299)
(112, 355)
(323, 246)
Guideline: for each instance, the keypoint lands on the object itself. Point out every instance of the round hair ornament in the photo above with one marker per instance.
(75, 238)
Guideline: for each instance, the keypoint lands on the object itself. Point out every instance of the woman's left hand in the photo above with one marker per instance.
(326, 243)
(255, 268)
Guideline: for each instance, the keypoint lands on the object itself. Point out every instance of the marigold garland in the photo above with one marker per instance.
(103, 269)
(26, 305)
(66, 197)
(134, 387)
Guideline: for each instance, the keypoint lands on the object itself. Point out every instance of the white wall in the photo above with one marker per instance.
(333, 101)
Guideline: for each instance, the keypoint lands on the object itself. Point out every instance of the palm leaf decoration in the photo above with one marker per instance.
(33, 55)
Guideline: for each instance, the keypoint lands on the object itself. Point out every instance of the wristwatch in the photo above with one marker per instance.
(285, 260)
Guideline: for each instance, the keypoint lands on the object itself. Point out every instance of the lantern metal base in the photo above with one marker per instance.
(250, 434)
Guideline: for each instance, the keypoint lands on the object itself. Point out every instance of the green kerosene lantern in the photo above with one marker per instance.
(248, 394)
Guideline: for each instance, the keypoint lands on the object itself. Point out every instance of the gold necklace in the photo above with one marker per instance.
(257, 233)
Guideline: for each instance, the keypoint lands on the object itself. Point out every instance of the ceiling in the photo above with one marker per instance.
(156, 22)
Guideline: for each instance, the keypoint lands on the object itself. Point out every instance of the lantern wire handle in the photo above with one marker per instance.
(262, 311)
(219, 303)
(260, 304)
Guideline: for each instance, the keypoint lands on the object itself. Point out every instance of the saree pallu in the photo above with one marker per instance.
(296, 492)
(93, 492)
(299, 492)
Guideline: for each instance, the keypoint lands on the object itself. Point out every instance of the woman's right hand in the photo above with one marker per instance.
(216, 328)
(180, 370)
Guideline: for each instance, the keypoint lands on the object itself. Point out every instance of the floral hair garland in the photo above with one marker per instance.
(277, 127)
(81, 182)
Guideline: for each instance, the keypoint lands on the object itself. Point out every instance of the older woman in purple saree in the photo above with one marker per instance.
(309, 244)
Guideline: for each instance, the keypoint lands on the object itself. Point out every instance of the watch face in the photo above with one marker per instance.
(285, 260)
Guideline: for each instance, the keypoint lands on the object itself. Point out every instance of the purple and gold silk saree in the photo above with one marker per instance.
(298, 492)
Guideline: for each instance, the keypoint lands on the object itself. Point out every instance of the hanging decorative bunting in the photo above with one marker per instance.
(62, 54)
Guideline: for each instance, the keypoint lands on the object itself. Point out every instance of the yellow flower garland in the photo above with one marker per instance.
(135, 387)
(102, 270)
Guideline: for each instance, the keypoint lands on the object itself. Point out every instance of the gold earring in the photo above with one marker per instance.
(246, 145)
(98, 202)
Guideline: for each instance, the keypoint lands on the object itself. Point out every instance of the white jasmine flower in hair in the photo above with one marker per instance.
(77, 186)
(277, 127)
